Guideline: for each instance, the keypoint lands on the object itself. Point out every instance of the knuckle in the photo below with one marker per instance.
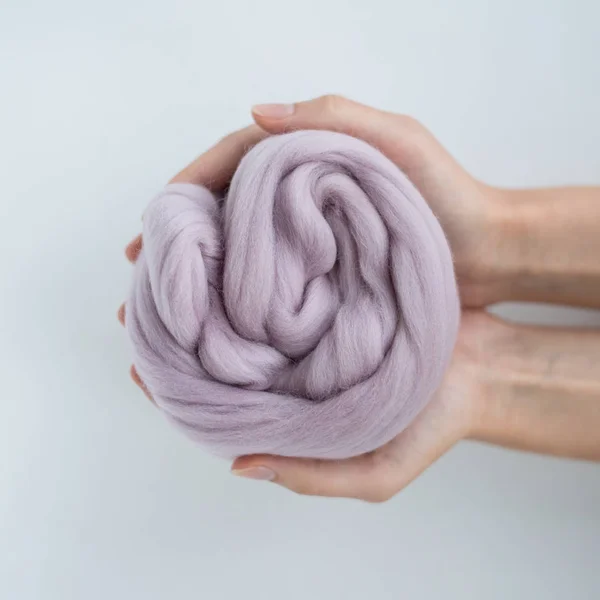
(303, 488)
(409, 125)
(384, 485)
(410, 122)
(380, 494)
(332, 103)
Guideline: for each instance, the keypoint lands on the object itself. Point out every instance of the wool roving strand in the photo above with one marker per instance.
(311, 311)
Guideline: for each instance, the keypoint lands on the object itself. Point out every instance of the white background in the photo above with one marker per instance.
(100, 103)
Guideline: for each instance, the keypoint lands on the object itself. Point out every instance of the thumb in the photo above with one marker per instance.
(400, 137)
(331, 112)
(363, 477)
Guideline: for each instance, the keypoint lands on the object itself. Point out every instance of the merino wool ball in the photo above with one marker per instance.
(310, 311)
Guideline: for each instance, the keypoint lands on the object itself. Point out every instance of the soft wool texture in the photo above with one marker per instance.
(310, 312)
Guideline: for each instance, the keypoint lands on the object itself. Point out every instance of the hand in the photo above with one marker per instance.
(529, 388)
(453, 414)
(467, 209)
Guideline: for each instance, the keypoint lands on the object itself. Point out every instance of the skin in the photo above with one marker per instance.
(523, 387)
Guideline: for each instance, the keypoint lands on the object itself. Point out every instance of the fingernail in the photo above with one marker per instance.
(121, 314)
(273, 111)
(262, 473)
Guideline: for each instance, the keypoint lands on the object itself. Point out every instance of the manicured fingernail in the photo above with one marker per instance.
(273, 111)
(262, 473)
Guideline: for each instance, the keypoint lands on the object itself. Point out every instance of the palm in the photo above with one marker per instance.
(380, 474)
(447, 419)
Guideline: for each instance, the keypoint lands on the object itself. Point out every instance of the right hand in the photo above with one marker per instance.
(454, 413)
(467, 209)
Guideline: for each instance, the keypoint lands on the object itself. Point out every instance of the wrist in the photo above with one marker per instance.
(539, 391)
(494, 260)
(511, 376)
(480, 371)
(541, 246)
(509, 252)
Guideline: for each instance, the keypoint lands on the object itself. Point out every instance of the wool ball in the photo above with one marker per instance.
(310, 311)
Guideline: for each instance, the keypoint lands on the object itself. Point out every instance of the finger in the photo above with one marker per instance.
(215, 168)
(121, 314)
(364, 477)
(401, 138)
(335, 113)
(133, 249)
(138, 381)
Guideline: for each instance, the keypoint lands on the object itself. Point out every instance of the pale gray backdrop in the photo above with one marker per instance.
(100, 104)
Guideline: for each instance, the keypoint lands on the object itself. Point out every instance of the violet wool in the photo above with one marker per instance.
(311, 311)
